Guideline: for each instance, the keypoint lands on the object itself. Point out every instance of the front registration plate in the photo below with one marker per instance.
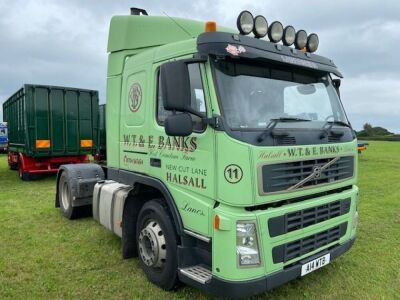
(315, 264)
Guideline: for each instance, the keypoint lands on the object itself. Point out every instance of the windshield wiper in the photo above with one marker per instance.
(328, 129)
(272, 124)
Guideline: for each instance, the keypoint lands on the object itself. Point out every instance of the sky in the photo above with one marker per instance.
(64, 43)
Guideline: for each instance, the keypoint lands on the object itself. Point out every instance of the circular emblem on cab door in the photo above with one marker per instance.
(135, 97)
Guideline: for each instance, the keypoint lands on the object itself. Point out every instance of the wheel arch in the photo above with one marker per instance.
(148, 188)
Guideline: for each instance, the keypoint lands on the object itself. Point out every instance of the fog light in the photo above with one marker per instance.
(312, 42)
(289, 35)
(247, 244)
(245, 22)
(275, 32)
(301, 39)
(260, 27)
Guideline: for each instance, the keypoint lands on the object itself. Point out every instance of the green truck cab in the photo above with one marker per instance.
(231, 165)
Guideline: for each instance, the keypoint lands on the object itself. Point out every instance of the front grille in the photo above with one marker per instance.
(307, 217)
(291, 250)
(283, 176)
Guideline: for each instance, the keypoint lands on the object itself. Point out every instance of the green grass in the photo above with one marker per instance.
(43, 255)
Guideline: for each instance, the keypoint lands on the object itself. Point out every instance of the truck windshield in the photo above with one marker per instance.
(251, 96)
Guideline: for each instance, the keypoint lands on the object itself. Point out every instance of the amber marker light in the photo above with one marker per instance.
(216, 222)
(211, 26)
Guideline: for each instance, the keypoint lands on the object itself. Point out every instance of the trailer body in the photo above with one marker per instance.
(50, 126)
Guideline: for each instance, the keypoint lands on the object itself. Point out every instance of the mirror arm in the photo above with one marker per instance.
(215, 122)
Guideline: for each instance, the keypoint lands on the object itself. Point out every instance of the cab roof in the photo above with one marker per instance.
(139, 32)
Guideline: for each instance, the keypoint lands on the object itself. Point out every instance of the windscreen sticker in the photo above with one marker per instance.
(299, 62)
(234, 50)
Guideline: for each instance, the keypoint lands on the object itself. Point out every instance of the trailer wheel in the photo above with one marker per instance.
(65, 198)
(25, 176)
(157, 244)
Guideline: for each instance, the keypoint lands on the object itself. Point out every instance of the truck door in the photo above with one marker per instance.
(133, 126)
(186, 164)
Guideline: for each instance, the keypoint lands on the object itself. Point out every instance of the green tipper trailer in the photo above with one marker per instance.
(50, 126)
(231, 164)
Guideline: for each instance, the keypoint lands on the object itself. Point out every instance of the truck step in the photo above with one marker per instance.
(198, 273)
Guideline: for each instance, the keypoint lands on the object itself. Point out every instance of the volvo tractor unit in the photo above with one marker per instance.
(231, 164)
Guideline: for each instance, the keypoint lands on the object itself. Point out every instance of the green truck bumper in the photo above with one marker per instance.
(240, 289)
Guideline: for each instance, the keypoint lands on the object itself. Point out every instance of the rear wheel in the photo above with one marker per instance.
(157, 244)
(65, 198)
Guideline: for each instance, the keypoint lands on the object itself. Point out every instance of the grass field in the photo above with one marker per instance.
(43, 255)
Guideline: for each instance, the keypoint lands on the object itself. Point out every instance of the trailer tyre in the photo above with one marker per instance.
(25, 176)
(65, 198)
(157, 244)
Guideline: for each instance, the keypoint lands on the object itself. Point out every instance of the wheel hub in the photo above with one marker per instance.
(152, 247)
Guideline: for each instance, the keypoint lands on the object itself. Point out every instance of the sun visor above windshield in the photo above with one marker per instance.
(239, 46)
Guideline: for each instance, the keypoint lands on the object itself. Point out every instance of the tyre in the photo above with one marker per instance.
(157, 244)
(13, 167)
(65, 198)
(25, 176)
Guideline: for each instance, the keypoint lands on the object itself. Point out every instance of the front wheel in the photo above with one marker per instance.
(157, 244)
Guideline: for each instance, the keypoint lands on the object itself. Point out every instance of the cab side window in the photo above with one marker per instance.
(197, 99)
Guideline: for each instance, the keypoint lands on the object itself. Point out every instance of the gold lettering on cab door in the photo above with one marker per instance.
(187, 176)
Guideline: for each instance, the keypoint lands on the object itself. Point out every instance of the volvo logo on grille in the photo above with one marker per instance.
(315, 174)
(317, 171)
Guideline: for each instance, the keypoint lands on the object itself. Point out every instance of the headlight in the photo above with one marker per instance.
(260, 27)
(247, 244)
(301, 39)
(275, 32)
(245, 22)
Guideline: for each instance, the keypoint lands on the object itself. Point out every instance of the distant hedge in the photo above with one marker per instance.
(392, 138)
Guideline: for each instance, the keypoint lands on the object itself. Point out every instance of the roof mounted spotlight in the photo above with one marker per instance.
(260, 27)
(312, 42)
(301, 39)
(245, 22)
(289, 35)
(275, 32)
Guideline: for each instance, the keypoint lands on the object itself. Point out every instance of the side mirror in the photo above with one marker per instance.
(179, 125)
(175, 86)
(336, 84)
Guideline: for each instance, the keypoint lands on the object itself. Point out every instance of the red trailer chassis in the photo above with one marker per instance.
(28, 166)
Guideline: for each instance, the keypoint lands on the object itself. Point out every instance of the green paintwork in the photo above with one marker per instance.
(60, 114)
(193, 168)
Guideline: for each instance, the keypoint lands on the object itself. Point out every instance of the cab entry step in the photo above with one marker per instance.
(198, 273)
